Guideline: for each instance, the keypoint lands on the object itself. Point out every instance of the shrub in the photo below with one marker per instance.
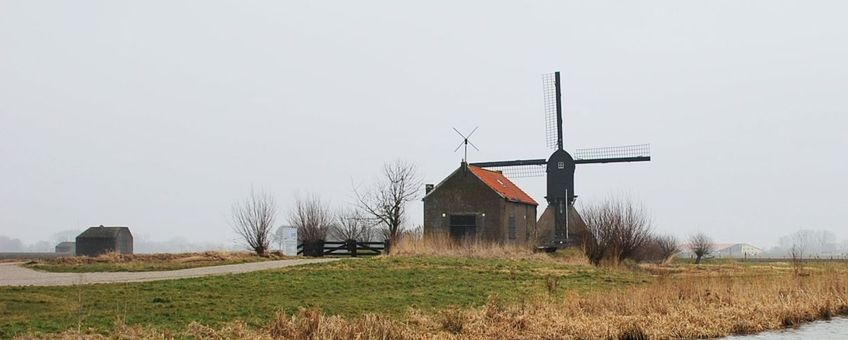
(615, 230)
(312, 218)
(701, 245)
(658, 249)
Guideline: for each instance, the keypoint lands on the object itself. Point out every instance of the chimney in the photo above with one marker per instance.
(428, 188)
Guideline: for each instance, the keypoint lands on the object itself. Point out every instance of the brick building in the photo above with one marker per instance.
(480, 204)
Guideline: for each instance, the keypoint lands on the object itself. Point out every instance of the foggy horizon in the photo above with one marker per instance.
(159, 115)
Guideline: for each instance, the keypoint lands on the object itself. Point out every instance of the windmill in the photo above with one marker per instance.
(559, 167)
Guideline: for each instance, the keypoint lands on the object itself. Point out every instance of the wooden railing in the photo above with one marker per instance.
(342, 248)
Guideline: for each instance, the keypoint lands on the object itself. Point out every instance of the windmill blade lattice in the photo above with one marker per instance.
(517, 168)
(550, 101)
(521, 171)
(614, 154)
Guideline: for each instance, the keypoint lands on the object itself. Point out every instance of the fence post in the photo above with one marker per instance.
(386, 246)
(351, 247)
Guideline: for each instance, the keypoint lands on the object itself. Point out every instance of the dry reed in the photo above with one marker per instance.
(437, 244)
(669, 307)
(208, 256)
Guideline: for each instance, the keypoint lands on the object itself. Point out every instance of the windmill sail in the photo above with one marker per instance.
(553, 116)
(517, 168)
(523, 171)
(614, 154)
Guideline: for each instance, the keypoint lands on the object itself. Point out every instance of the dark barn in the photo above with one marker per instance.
(480, 204)
(66, 248)
(100, 240)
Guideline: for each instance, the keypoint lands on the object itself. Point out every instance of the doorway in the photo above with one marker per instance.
(463, 227)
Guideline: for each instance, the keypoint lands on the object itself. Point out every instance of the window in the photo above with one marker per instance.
(511, 228)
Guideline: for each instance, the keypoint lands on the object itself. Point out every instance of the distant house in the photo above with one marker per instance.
(100, 240)
(726, 250)
(475, 203)
(66, 248)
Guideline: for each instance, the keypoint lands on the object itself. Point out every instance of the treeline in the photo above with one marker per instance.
(809, 243)
(379, 211)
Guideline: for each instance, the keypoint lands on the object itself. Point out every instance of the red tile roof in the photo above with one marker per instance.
(502, 185)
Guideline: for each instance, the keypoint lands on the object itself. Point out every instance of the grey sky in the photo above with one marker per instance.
(158, 114)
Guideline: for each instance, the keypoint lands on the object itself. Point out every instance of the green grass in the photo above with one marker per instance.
(388, 286)
(134, 266)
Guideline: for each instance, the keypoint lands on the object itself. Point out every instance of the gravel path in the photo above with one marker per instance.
(11, 274)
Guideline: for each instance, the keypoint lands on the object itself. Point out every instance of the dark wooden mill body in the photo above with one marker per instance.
(560, 166)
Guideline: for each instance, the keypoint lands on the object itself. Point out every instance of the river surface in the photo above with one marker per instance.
(834, 329)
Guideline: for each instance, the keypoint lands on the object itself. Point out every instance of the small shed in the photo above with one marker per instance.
(100, 240)
(66, 248)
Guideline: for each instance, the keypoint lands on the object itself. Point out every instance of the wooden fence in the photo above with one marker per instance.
(343, 248)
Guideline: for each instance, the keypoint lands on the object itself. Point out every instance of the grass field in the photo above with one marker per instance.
(385, 285)
(143, 262)
(480, 292)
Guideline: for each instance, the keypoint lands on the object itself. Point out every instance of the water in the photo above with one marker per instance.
(833, 329)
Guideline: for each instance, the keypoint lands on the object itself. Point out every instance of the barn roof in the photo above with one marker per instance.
(103, 232)
(502, 185)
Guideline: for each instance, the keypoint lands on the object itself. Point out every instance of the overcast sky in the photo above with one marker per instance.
(157, 115)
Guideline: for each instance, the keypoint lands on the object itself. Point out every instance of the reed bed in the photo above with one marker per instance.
(668, 307)
(443, 245)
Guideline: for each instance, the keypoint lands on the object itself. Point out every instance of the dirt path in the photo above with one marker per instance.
(11, 274)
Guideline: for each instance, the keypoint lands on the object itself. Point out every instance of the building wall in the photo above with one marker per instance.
(66, 248)
(93, 246)
(525, 222)
(462, 193)
(124, 243)
(739, 250)
(547, 222)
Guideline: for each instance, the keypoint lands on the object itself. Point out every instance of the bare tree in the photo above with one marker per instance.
(615, 230)
(658, 248)
(797, 254)
(312, 218)
(351, 225)
(701, 245)
(810, 242)
(253, 220)
(386, 201)
(668, 247)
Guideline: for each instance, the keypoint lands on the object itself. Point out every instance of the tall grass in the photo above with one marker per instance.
(146, 262)
(440, 244)
(669, 307)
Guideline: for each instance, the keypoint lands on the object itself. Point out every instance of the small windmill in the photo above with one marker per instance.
(560, 166)
(466, 142)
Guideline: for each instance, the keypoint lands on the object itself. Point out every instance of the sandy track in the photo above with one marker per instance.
(11, 274)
